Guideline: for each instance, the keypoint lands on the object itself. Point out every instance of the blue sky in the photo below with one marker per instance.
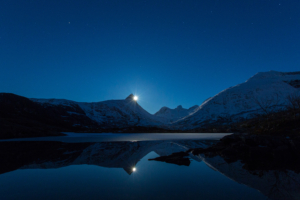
(168, 52)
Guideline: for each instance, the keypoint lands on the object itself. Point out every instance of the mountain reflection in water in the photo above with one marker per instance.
(46, 155)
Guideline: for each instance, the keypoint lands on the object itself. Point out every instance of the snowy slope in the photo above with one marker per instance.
(171, 115)
(111, 113)
(265, 90)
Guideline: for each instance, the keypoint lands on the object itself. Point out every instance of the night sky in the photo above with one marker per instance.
(168, 52)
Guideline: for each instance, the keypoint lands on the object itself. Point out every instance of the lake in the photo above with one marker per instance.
(117, 166)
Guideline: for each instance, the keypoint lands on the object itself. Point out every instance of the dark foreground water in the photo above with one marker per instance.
(121, 170)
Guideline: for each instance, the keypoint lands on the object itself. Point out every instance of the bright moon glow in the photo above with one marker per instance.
(135, 98)
(134, 169)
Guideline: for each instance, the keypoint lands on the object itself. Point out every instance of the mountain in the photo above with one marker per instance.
(171, 115)
(265, 92)
(21, 117)
(107, 114)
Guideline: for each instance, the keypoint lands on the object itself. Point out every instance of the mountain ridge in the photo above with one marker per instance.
(110, 113)
(171, 115)
(265, 92)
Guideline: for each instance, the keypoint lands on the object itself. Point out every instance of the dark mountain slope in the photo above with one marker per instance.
(21, 117)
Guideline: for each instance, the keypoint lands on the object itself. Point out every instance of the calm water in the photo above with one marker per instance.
(121, 170)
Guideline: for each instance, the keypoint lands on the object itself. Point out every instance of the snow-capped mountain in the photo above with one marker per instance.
(264, 92)
(172, 115)
(111, 113)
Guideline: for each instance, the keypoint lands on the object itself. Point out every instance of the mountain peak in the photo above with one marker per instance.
(130, 97)
(171, 115)
(179, 107)
(193, 107)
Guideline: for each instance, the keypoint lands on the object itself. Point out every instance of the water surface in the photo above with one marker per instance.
(113, 137)
(121, 170)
